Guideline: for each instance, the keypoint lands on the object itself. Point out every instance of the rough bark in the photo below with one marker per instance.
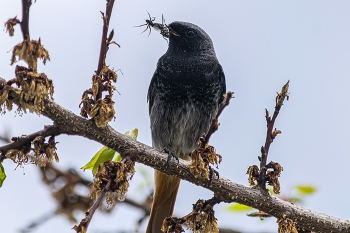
(223, 188)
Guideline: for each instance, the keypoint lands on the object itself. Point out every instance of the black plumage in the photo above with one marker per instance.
(184, 94)
(185, 91)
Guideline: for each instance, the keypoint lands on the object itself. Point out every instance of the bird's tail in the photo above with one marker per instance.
(165, 192)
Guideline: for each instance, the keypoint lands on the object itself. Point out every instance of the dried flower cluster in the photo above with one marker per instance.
(119, 173)
(173, 225)
(19, 156)
(29, 51)
(286, 225)
(34, 88)
(44, 153)
(10, 23)
(5, 101)
(202, 218)
(253, 174)
(271, 175)
(82, 227)
(201, 158)
(102, 110)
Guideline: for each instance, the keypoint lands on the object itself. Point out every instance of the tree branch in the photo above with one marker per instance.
(270, 134)
(84, 223)
(104, 43)
(223, 188)
(214, 123)
(49, 130)
(25, 19)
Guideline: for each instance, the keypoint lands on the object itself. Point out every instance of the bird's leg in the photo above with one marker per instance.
(170, 155)
(211, 173)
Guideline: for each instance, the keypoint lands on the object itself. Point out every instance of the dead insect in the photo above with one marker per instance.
(163, 28)
(149, 23)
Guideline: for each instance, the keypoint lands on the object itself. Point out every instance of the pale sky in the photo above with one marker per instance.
(260, 44)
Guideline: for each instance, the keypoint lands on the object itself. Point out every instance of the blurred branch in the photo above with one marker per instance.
(69, 201)
(5, 138)
(44, 218)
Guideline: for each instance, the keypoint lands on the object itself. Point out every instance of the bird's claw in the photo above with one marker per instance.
(212, 171)
(170, 155)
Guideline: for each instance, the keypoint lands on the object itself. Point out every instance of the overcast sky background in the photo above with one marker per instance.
(260, 44)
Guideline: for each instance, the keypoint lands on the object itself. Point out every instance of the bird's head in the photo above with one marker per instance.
(187, 37)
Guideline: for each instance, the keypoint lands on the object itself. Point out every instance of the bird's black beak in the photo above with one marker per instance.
(171, 31)
(166, 30)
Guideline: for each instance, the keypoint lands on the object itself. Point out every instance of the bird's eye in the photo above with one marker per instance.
(190, 34)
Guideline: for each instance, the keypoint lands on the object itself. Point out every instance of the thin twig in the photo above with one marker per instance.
(25, 19)
(269, 134)
(214, 123)
(143, 207)
(18, 142)
(104, 43)
(213, 201)
(84, 223)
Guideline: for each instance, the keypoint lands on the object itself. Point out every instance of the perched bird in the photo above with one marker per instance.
(184, 94)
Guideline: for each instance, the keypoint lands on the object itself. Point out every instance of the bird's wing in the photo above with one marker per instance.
(152, 89)
(223, 84)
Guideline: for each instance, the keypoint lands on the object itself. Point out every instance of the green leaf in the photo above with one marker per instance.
(305, 189)
(285, 87)
(2, 174)
(118, 158)
(92, 162)
(132, 133)
(103, 155)
(239, 208)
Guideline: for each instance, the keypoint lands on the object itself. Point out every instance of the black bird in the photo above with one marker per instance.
(184, 94)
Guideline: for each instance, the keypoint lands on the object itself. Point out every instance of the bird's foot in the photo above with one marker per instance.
(170, 155)
(212, 171)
